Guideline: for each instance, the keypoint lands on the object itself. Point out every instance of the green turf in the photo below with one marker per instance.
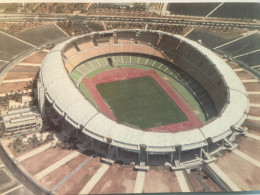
(141, 102)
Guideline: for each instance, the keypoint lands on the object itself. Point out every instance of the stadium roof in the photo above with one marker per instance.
(70, 103)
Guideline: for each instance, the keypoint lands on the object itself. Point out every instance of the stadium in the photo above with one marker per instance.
(100, 98)
(150, 95)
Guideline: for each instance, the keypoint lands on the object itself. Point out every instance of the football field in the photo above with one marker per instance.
(141, 102)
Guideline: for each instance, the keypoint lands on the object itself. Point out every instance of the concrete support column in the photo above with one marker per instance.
(171, 157)
(91, 142)
(116, 152)
(41, 98)
(109, 149)
(147, 157)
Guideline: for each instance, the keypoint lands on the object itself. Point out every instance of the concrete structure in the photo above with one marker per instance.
(183, 149)
(25, 101)
(21, 120)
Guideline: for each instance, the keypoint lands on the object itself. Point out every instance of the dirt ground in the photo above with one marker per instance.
(35, 58)
(232, 65)
(254, 99)
(7, 87)
(254, 130)
(50, 180)
(195, 183)
(18, 67)
(117, 179)
(252, 86)
(243, 173)
(207, 181)
(253, 123)
(160, 181)
(255, 111)
(243, 75)
(251, 147)
(19, 75)
(75, 184)
(44, 159)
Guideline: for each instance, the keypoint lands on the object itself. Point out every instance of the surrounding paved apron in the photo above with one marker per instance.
(94, 179)
(224, 177)
(182, 181)
(247, 158)
(56, 165)
(34, 152)
(253, 136)
(71, 173)
(13, 189)
(139, 182)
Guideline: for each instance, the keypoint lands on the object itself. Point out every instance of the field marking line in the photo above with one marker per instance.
(56, 165)
(182, 181)
(247, 157)
(253, 136)
(189, 32)
(214, 9)
(17, 80)
(18, 39)
(244, 54)
(254, 105)
(250, 81)
(139, 182)
(257, 118)
(28, 64)
(61, 30)
(255, 66)
(71, 174)
(34, 152)
(224, 177)
(251, 33)
(13, 189)
(94, 179)
(253, 92)
(238, 69)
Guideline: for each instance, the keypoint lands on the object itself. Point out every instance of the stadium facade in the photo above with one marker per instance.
(182, 149)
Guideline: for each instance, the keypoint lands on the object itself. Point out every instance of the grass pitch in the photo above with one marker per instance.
(141, 102)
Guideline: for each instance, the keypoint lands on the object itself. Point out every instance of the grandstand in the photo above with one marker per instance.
(214, 86)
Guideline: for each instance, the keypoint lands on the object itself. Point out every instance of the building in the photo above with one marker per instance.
(21, 120)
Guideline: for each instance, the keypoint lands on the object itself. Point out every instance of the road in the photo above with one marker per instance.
(146, 20)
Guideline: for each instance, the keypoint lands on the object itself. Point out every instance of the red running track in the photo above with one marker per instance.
(130, 73)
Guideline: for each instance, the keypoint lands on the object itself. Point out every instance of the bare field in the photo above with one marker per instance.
(252, 123)
(254, 99)
(40, 161)
(208, 181)
(116, 180)
(18, 67)
(251, 147)
(19, 75)
(243, 173)
(161, 181)
(50, 180)
(35, 58)
(252, 86)
(80, 179)
(254, 130)
(7, 87)
(255, 111)
(233, 65)
(243, 75)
